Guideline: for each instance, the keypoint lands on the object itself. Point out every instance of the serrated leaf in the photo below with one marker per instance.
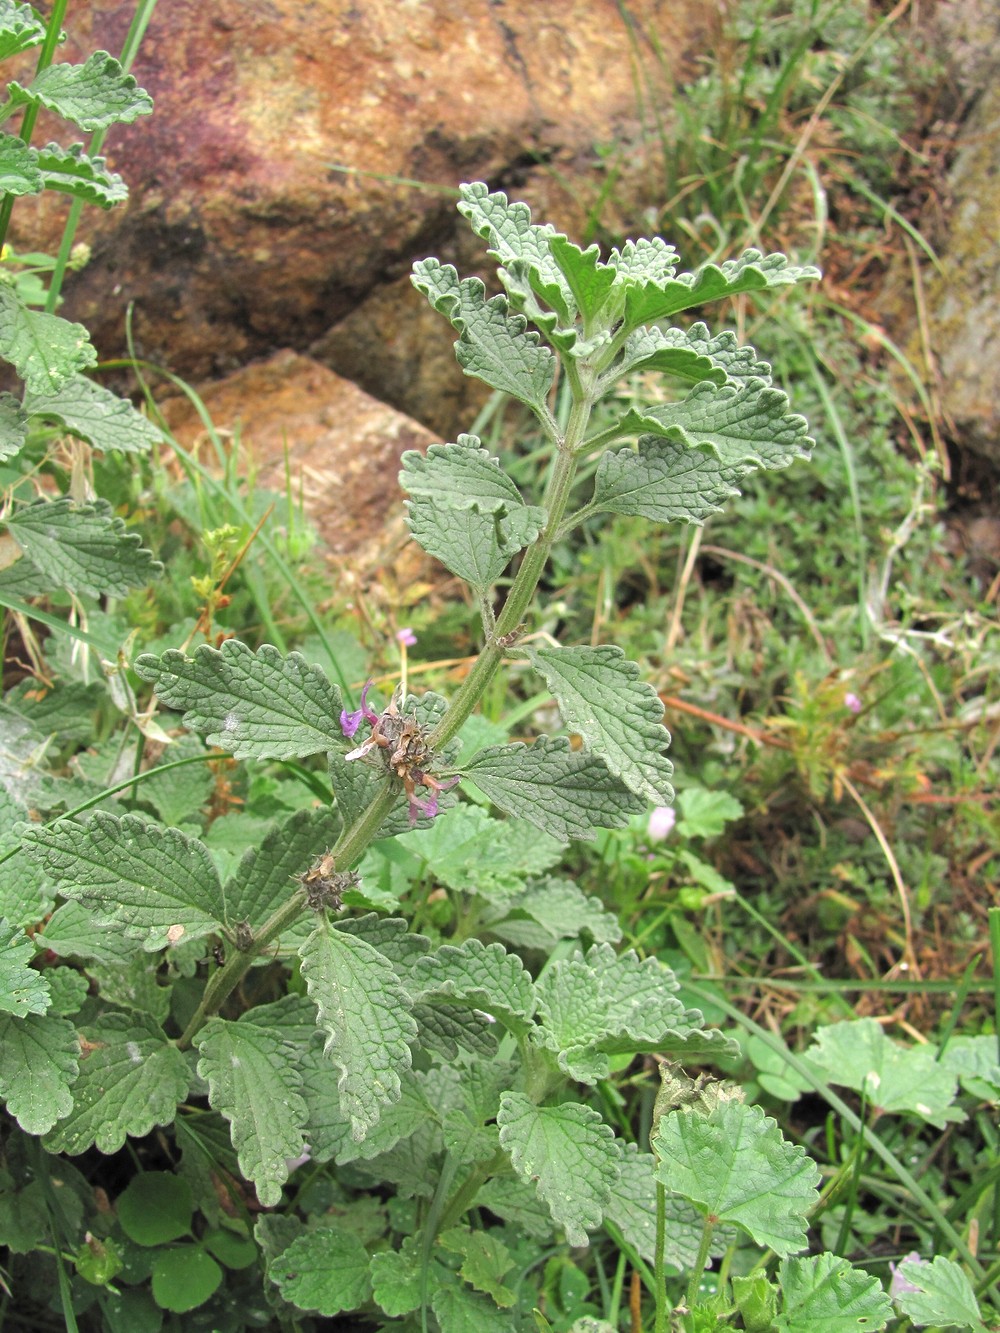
(72, 171)
(590, 281)
(552, 909)
(462, 475)
(824, 1294)
(651, 261)
(25, 896)
(485, 1261)
(20, 29)
(945, 1294)
(678, 352)
(397, 1278)
(45, 350)
(632, 1209)
(444, 1031)
(601, 697)
(134, 875)
(365, 1013)
(22, 989)
(261, 705)
(68, 988)
(131, 1079)
(515, 1201)
(94, 95)
(748, 425)
(39, 1060)
(72, 931)
(484, 976)
(735, 1164)
(326, 1270)
(255, 1085)
(570, 1154)
(566, 793)
(477, 547)
(494, 345)
(265, 876)
(96, 415)
(393, 939)
(665, 481)
(893, 1078)
(84, 548)
(653, 295)
(19, 173)
(523, 248)
(13, 426)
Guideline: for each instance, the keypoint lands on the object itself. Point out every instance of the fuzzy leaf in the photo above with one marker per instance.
(735, 1164)
(601, 697)
(325, 1270)
(632, 1209)
(39, 1060)
(647, 262)
(13, 426)
(477, 547)
(552, 909)
(25, 895)
(893, 1078)
(679, 352)
(396, 1278)
(96, 415)
(748, 425)
(46, 351)
(84, 548)
(653, 295)
(20, 29)
(94, 95)
(564, 792)
(590, 281)
(945, 1294)
(73, 932)
(259, 705)
(665, 481)
(19, 173)
(483, 976)
(523, 248)
(601, 1003)
(131, 1078)
(824, 1293)
(146, 880)
(22, 989)
(460, 476)
(570, 1154)
(493, 345)
(365, 1013)
(72, 171)
(485, 1261)
(254, 1084)
(264, 878)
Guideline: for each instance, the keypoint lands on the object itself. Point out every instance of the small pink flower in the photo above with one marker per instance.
(900, 1285)
(349, 722)
(406, 637)
(661, 821)
(852, 702)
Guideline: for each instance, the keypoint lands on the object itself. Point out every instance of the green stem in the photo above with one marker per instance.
(659, 1277)
(459, 1203)
(699, 1264)
(31, 111)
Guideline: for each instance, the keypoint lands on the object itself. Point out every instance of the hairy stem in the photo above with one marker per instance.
(659, 1277)
(698, 1267)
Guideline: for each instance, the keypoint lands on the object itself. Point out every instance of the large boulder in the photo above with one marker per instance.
(272, 187)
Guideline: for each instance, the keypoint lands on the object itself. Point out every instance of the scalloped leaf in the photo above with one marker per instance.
(494, 346)
(262, 705)
(735, 1164)
(82, 547)
(891, 1077)
(131, 1079)
(73, 171)
(45, 350)
(96, 415)
(632, 1209)
(824, 1292)
(365, 1013)
(482, 976)
(944, 1294)
(153, 883)
(570, 1155)
(679, 352)
(263, 880)
(601, 697)
(653, 294)
(22, 989)
(39, 1061)
(252, 1082)
(523, 248)
(462, 475)
(19, 173)
(94, 95)
(477, 547)
(13, 426)
(20, 29)
(325, 1270)
(665, 481)
(566, 793)
(551, 909)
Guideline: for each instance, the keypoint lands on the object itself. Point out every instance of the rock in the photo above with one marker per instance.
(242, 235)
(343, 448)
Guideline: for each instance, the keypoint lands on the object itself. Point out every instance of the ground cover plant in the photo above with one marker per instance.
(433, 1052)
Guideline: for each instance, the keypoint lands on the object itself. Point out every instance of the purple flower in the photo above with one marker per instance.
(349, 722)
(406, 637)
(661, 821)
(852, 702)
(900, 1284)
